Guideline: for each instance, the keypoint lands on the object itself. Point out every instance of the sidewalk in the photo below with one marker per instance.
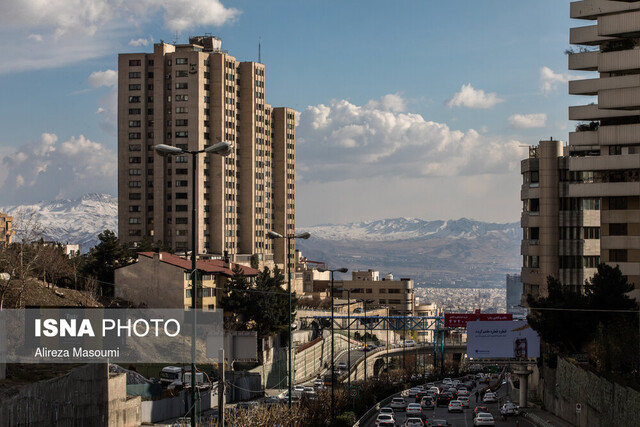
(541, 417)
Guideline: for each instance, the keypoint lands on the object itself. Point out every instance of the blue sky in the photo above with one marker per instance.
(413, 108)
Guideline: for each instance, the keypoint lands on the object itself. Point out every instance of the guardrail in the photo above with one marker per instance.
(369, 414)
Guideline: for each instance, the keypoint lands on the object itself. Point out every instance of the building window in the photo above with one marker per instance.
(135, 62)
(182, 122)
(181, 183)
(617, 203)
(182, 97)
(181, 61)
(180, 110)
(134, 123)
(181, 220)
(618, 229)
(181, 208)
(134, 99)
(534, 179)
(182, 159)
(135, 160)
(135, 87)
(182, 73)
(181, 195)
(617, 255)
(182, 85)
(135, 196)
(615, 150)
(182, 134)
(135, 221)
(134, 135)
(135, 184)
(135, 75)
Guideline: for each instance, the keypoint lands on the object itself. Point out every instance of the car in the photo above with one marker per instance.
(414, 410)
(409, 343)
(443, 399)
(455, 383)
(447, 381)
(479, 409)
(435, 389)
(414, 391)
(452, 390)
(510, 408)
(463, 392)
(489, 397)
(370, 347)
(484, 419)
(247, 406)
(437, 423)
(385, 417)
(455, 406)
(464, 400)
(318, 383)
(414, 422)
(398, 404)
(272, 400)
(386, 410)
(298, 388)
(310, 393)
(342, 366)
(428, 403)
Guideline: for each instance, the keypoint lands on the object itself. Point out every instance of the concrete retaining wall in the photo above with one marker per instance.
(174, 407)
(603, 403)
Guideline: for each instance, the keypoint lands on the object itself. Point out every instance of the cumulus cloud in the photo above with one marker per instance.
(77, 30)
(527, 121)
(348, 141)
(550, 80)
(107, 78)
(140, 42)
(43, 169)
(473, 98)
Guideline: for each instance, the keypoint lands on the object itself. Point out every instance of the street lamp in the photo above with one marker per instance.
(223, 149)
(333, 373)
(273, 235)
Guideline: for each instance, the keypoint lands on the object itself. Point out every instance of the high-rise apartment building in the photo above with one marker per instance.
(6, 230)
(582, 201)
(193, 96)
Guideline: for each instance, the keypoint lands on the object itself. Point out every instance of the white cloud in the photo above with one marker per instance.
(43, 169)
(77, 30)
(473, 98)
(390, 102)
(108, 111)
(140, 42)
(345, 141)
(527, 121)
(107, 78)
(550, 80)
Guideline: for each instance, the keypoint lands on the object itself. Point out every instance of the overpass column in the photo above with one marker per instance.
(523, 373)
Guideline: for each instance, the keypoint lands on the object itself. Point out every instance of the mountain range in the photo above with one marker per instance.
(461, 252)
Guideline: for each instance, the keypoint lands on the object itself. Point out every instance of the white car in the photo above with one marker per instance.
(414, 391)
(398, 404)
(414, 422)
(464, 400)
(455, 406)
(447, 381)
(510, 408)
(489, 398)
(414, 410)
(386, 410)
(484, 419)
(409, 343)
(385, 417)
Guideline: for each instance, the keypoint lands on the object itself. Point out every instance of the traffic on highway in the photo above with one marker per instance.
(464, 402)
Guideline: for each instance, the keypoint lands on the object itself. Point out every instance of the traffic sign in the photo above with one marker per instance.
(353, 392)
(578, 408)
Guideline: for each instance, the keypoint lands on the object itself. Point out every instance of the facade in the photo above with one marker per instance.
(514, 293)
(163, 280)
(582, 201)
(397, 295)
(6, 229)
(192, 96)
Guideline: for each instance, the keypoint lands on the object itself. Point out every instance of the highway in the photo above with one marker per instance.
(464, 419)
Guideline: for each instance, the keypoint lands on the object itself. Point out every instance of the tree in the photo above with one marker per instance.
(104, 258)
(565, 330)
(238, 299)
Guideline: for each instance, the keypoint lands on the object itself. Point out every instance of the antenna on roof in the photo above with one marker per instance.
(259, 50)
(175, 38)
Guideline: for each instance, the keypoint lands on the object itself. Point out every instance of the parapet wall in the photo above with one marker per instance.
(603, 403)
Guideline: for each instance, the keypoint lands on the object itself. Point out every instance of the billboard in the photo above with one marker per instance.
(459, 320)
(502, 339)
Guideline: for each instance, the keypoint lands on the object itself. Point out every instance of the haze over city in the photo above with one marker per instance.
(390, 122)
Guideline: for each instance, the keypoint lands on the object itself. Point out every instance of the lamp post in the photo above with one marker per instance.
(348, 291)
(273, 235)
(223, 149)
(333, 371)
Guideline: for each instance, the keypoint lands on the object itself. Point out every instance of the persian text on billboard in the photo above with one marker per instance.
(459, 320)
(510, 339)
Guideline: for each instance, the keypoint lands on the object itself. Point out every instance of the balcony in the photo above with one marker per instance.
(619, 135)
(611, 189)
(626, 99)
(586, 36)
(628, 161)
(584, 61)
(588, 9)
(622, 60)
(592, 86)
(583, 138)
(622, 24)
(592, 112)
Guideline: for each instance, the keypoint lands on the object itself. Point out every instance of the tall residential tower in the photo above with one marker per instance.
(582, 201)
(192, 96)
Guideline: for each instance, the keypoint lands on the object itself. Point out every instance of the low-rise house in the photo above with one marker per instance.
(163, 280)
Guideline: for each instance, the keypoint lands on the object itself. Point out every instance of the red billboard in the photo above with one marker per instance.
(459, 320)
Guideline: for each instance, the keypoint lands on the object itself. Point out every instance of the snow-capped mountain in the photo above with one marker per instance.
(74, 221)
(413, 228)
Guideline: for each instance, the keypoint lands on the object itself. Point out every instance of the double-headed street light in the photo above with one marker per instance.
(223, 149)
(348, 291)
(273, 235)
(333, 370)
(366, 324)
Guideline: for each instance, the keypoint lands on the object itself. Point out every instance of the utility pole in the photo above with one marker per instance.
(221, 387)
